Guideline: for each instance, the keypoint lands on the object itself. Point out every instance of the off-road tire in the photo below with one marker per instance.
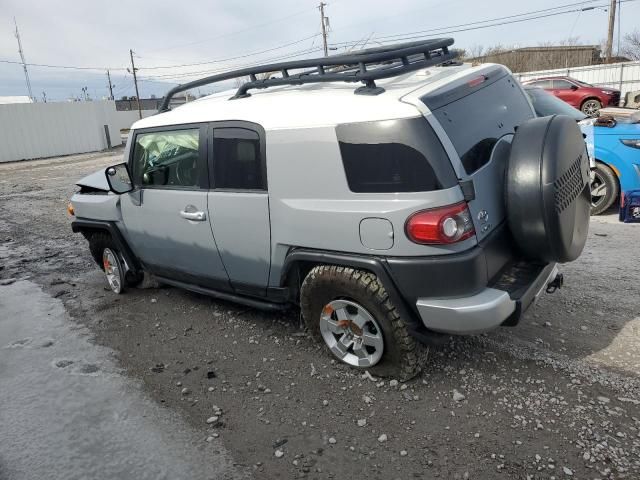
(98, 241)
(326, 283)
(612, 188)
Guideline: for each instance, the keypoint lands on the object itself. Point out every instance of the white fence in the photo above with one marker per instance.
(623, 76)
(39, 130)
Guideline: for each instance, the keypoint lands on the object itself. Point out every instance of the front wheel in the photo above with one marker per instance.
(591, 107)
(350, 312)
(604, 189)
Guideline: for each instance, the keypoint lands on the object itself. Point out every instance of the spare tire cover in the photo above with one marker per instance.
(548, 198)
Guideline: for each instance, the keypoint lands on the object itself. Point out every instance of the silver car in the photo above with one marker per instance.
(429, 200)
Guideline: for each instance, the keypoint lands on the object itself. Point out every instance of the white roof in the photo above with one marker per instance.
(15, 99)
(310, 105)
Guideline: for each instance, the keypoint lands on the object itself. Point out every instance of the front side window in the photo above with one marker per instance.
(167, 159)
(237, 160)
(394, 156)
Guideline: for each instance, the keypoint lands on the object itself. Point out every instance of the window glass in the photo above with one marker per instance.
(546, 104)
(167, 158)
(475, 122)
(237, 162)
(542, 83)
(562, 85)
(394, 156)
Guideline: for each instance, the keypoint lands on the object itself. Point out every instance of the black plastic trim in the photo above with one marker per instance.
(250, 302)
(525, 297)
(452, 275)
(83, 225)
(376, 265)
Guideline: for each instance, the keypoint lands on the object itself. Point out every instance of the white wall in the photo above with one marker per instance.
(39, 130)
(126, 118)
(622, 76)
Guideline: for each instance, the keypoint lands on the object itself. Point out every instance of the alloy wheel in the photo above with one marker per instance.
(598, 190)
(591, 107)
(351, 333)
(112, 270)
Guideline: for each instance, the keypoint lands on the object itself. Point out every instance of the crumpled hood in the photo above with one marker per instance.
(96, 180)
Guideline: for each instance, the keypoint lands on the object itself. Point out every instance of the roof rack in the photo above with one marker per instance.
(364, 66)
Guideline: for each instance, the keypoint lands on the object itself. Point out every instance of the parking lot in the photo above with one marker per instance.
(556, 397)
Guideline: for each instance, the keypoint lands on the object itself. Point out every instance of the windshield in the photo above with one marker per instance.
(546, 104)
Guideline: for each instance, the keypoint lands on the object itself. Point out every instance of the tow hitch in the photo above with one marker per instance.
(556, 283)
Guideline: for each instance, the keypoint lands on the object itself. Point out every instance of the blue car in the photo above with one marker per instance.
(616, 149)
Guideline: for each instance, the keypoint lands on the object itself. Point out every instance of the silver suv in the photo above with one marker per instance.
(429, 200)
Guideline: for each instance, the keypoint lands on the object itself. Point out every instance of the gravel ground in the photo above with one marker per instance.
(556, 397)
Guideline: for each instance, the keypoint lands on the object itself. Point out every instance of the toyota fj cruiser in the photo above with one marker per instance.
(429, 200)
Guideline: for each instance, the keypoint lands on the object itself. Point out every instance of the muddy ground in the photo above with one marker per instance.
(556, 397)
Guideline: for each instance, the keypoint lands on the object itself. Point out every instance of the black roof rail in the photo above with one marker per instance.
(364, 66)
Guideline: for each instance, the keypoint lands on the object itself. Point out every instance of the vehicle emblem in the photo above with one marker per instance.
(483, 216)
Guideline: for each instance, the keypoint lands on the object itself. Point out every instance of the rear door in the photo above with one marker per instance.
(476, 117)
(238, 203)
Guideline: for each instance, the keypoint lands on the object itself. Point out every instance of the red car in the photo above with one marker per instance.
(578, 94)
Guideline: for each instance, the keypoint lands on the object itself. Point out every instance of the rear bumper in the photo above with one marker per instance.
(489, 308)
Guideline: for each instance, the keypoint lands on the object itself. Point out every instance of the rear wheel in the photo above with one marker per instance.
(604, 189)
(350, 312)
(590, 107)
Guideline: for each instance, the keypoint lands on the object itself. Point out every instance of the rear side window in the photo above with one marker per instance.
(237, 160)
(394, 156)
(475, 121)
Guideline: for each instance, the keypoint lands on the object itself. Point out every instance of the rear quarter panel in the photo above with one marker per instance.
(311, 205)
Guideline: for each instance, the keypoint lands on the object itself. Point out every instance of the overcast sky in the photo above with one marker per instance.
(161, 33)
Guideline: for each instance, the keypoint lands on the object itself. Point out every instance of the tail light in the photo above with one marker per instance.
(442, 225)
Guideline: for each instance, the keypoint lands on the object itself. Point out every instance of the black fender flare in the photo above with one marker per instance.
(375, 265)
(86, 226)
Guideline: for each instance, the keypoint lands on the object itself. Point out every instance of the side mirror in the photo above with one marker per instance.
(118, 178)
(574, 87)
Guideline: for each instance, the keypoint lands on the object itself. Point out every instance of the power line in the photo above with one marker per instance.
(248, 29)
(220, 60)
(445, 30)
(61, 66)
(228, 67)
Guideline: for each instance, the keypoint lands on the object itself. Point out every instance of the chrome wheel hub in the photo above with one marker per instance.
(598, 190)
(112, 269)
(351, 333)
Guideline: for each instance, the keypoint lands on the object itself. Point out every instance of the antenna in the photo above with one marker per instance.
(24, 62)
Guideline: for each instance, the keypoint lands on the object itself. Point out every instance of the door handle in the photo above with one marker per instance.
(194, 216)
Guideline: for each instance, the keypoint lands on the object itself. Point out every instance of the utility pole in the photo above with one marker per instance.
(324, 21)
(612, 24)
(24, 62)
(135, 82)
(110, 86)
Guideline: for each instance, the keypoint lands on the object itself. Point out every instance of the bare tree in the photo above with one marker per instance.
(631, 45)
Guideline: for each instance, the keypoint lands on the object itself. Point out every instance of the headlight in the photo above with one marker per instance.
(632, 142)
(607, 92)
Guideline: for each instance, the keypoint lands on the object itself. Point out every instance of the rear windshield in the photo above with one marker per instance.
(474, 122)
(394, 156)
